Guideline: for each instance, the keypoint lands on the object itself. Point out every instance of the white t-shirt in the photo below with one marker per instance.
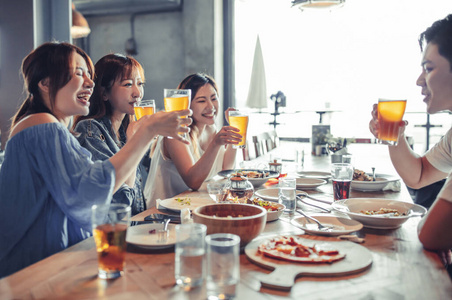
(440, 157)
(164, 181)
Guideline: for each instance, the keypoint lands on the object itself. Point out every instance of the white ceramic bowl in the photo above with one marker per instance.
(273, 215)
(353, 207)
(369, 186)
(256, 182)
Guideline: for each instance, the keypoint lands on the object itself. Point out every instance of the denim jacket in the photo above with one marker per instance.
(97, 136)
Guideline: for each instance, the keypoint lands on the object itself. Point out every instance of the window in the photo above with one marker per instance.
(342, 60)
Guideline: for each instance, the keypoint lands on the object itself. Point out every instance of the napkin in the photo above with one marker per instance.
(393, 186)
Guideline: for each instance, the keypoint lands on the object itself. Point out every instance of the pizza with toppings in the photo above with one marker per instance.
(290, 248)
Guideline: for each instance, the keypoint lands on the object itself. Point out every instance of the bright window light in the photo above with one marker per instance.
(343, 60)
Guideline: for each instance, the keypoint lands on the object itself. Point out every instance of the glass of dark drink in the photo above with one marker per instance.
(341, 175)
(110, 222)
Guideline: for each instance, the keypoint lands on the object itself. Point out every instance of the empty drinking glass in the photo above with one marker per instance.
(217, 191)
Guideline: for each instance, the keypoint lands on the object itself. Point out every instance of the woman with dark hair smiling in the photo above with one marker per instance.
(177, 167)
(119, 84)
(48, 182)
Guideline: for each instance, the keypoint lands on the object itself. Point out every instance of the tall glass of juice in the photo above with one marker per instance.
(239, 120)
(177, 99)
(390, 113)
(110, 222)
(143, 108)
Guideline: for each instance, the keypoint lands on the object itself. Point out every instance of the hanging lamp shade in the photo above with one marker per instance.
(80, 27)
(317, 4)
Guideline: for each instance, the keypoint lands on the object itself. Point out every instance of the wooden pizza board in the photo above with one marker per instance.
(357, 259)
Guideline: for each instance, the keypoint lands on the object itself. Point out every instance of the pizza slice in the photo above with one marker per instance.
(290, 248)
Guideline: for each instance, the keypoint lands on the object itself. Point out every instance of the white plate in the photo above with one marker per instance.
(256, 182)
(185, 202)
(139, 236)
(381, 181)
(309, 183)
(315, 174)
(271, 194)
(340, 225)
(353, 207)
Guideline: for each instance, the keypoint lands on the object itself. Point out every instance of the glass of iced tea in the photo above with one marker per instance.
(110, 222)
(341, 175)
(390, 113)
(239, 120)
(177, 99)
(143, 108)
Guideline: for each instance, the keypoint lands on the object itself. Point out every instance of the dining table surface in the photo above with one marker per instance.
(400, 269)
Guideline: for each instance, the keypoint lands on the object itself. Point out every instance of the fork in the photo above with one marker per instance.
(313, 205)
(320, 225)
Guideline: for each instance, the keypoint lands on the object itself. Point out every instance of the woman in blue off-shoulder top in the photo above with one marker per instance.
(48, 182)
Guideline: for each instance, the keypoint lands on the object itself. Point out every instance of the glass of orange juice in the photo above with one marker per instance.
(143, 108)
(390, 113)
(177, 99)
(239, 119)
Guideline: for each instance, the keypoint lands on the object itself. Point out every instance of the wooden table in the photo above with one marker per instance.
(401, 269)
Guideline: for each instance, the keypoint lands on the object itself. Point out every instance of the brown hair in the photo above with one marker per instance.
(51, 60)
(109, 68)
(194, 82)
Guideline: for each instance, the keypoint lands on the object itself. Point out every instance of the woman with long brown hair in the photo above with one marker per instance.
(119, 82)
(48, 182)
(176, 167)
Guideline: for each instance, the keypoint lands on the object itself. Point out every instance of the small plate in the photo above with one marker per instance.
(140, 236)
(268, 194)
(315, 174)
(340, 225)
(369, 186)
(256, 182)
(309, 183)
(179, 203)
(353, 207)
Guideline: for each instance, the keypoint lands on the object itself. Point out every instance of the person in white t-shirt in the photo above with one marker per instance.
(435, 229)
(177, 167)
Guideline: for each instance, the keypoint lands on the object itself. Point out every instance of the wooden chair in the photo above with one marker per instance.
(258, 145)
(249, 152)
(273, 141)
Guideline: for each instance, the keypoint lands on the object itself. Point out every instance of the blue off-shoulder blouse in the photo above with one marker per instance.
(48, 184)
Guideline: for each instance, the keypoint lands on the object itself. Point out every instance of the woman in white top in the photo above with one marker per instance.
(177, 167)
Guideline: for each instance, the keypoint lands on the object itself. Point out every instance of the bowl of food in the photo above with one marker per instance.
(364, 182)
(245, 220)
(379, 213)
(256, 177)
(274, 210)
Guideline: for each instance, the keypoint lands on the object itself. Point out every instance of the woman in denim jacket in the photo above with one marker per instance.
(119, 82)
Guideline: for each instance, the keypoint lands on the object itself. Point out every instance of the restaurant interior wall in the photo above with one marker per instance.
(170, 44)
(24, 25)
(341, 60)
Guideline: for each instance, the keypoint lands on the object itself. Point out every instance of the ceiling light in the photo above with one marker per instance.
(317, 4)
(80, 27)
